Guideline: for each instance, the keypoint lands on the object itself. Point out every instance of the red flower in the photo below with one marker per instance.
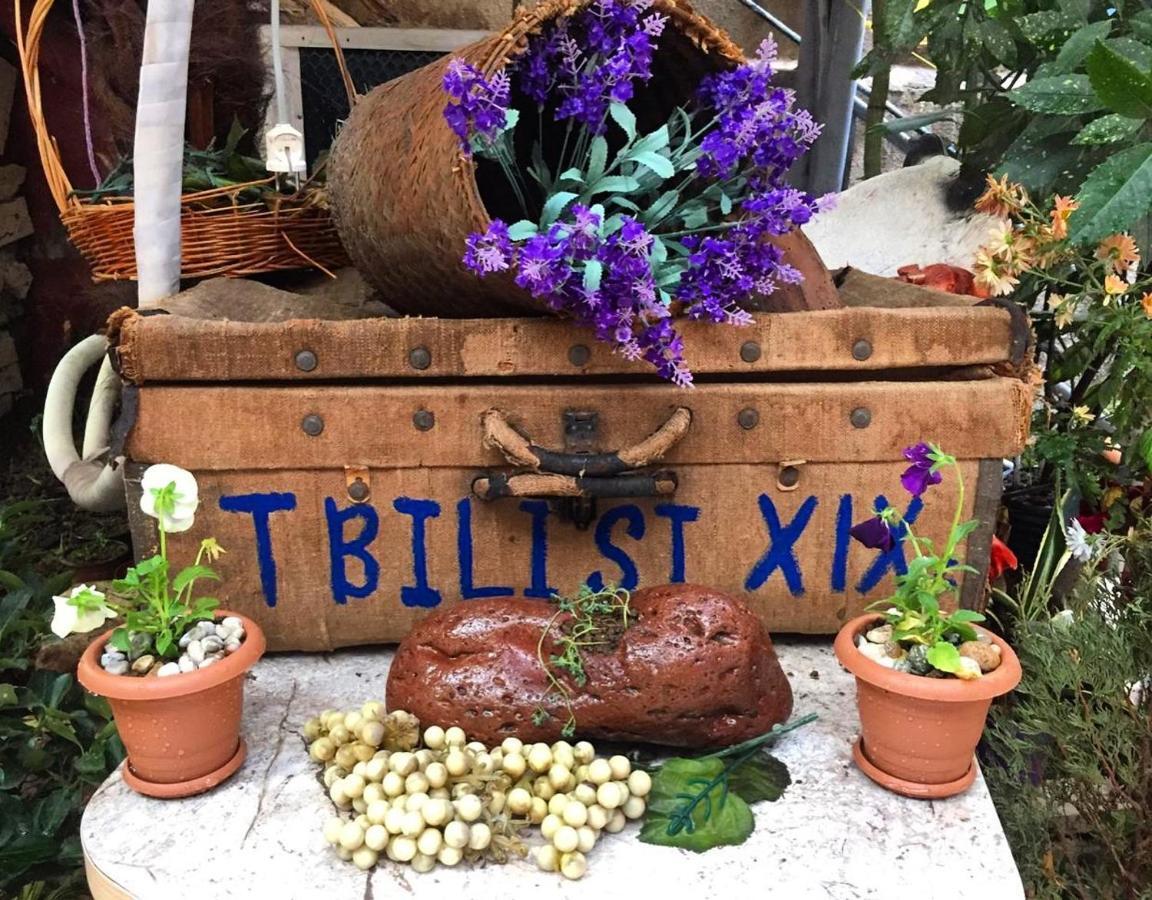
(1000, 559)
(1092, 523)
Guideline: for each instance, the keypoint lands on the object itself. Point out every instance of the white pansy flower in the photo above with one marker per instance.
(1080, 543)
(70, 618)
(186, 496)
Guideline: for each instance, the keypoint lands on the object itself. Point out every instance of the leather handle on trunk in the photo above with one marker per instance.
(520, 450)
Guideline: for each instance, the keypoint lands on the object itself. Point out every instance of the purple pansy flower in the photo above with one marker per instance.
(918, 477)
(874, 534)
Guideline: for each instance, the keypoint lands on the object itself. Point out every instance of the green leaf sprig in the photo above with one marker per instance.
(703, 802)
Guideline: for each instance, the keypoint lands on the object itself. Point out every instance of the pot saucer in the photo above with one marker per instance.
(176, 790)
(913, 789)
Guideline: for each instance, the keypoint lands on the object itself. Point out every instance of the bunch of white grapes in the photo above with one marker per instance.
(444, 799)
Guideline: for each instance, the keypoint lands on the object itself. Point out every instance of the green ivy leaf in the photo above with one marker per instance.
(1119, 83)
(1114, 195)
(1060, 95)
(720, 817)
(625, 118)
(764, 777)
(1108, 129)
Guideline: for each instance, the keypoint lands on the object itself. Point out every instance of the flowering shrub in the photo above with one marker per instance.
(622, 230)
(1091, 306)
(922, 638)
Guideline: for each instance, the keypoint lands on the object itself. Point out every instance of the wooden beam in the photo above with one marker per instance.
(441, 39)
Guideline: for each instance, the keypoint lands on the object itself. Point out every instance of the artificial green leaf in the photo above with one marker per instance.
(597, 159)
(725, 204)
(190, 574)
(555, 206)
(7, 695)
(965, 615)
(625, 118)
(943, 656)
(522, 230)
(1061, 95)
(511, 118)
(688, 807)
(662, 207)
(164, 643)
(572, 174)
(654, 141)
(1141, 25)
(1114, 195)
(661, 165)
(593, 272)
(1122, 86)
(1079, 45)
(1108, 129)
(763, 777)
(615, 184)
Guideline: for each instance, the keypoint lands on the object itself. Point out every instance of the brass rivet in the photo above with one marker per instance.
(423, 420)
(312, 424)
(420, 358)
(358, 491)
(788, 477)
(305, 360)
(748, 418)
(861, 417)
(861, 350)
(750, 351)
(579, 354)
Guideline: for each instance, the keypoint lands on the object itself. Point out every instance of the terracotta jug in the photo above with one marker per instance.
(182, 732)
(919, 734)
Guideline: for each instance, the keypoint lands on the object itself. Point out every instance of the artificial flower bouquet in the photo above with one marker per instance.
(622, 229)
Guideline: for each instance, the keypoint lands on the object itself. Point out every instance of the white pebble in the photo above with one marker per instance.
(186, 664)
(170, 668)
(208, 661)
(231, 646)
(196, 651)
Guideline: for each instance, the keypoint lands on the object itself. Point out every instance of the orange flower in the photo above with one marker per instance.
(1001, 198)
(1114, 286)
(1120, 250)
(1146, 302)
(1063, 309)
(1063, 208)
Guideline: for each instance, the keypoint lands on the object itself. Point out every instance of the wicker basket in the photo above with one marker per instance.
(219, 233)
(404, 197)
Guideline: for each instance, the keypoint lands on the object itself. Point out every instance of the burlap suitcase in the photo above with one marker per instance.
(362, 474)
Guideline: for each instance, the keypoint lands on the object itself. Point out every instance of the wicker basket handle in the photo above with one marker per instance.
(28, 46)
(345, 76)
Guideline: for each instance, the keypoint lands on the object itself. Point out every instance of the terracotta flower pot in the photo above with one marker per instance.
(182, 732)
(919, 735)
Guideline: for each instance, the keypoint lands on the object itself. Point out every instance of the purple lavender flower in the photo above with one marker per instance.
(489, 252)
(874, 534)
(919, 476)
(591, 60)
(478, 106)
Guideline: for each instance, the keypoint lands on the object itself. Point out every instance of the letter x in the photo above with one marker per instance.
(781, 551)
(894, 558)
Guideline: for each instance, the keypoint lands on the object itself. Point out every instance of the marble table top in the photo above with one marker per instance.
(834, 834)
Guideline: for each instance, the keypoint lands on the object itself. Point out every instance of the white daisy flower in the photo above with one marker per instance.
(1081, 544)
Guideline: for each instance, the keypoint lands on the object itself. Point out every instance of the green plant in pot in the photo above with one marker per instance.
(174, 671)
(925, 677)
